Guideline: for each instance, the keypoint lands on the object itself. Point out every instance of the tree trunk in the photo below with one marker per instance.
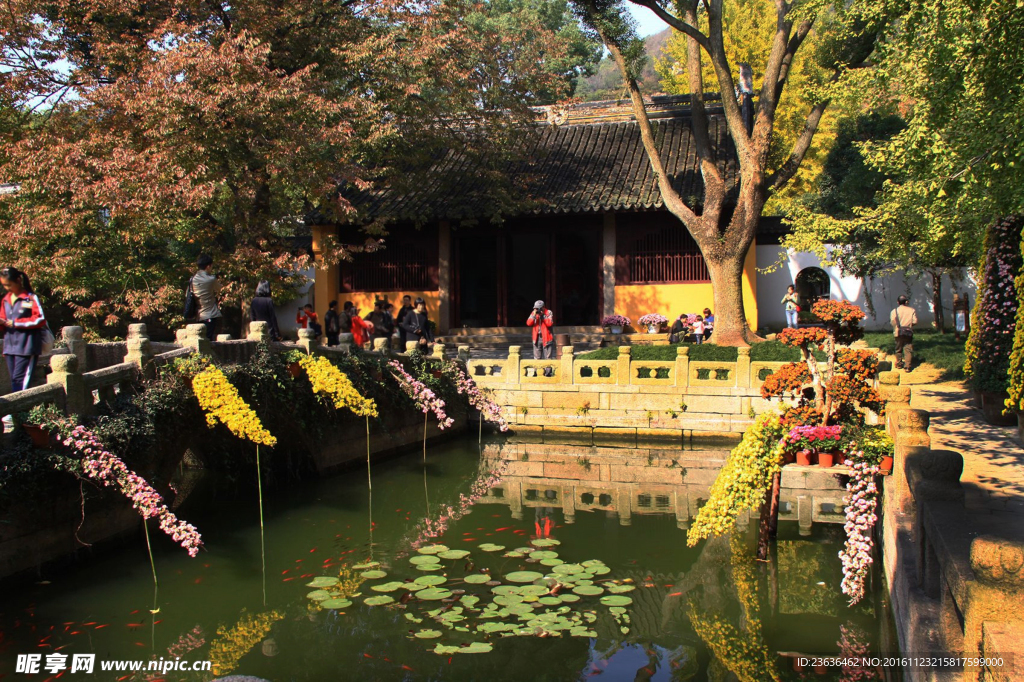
(940, 318)
(731, 328)
(769, 522)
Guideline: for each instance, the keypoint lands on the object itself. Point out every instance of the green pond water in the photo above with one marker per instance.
(604, 600)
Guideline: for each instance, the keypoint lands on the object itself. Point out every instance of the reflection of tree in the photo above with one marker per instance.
(740, 646)
(233, 643)
(802, 566)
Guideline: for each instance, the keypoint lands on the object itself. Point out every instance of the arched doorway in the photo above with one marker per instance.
(812, 285)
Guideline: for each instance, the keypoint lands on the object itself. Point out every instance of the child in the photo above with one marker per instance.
(306, 319)
(698, 330)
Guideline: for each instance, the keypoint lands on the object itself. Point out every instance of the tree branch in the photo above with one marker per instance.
(699, 117)
(788, 169)
(726, 85)
(675, 22)
(787, 61)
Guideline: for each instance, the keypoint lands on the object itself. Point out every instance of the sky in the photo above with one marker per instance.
(647, 21)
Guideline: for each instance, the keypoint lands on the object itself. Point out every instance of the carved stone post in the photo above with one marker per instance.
(345, 342)
(625, 356)
(77, 345)
(140, 351)
(463, 353)
(307, 340)
(223, 337)
(911, 434)
(439, 352)
(512, 365)
(64, 372)
(682, 366)
(411, 346)
(195, 338)
(568, 355)
(181, 337)
(382, 345)
(743, 367)
(259, 332)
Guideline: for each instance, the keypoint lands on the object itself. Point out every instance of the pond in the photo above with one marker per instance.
(559, 563)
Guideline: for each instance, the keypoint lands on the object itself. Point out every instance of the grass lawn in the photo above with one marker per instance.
(768, 351)
(940, 350)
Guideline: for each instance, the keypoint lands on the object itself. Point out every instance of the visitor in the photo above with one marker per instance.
(205, 287)
(400, 319)
(709, 323)
(792, 303)
(903, 318)
(361, 329)
(345, 319)
(22, 323)
(307, 319)
(262, 310)
(417, 325)
(680, 330)
(698, 330)
(541, 320)
(383, 325)
(389, 309)
(332, 322)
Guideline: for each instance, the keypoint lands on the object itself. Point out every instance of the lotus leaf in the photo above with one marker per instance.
(624, 630)
(445, 650)
(550, 601)
(432, 549)
(588, 590)
(584, 582)
(379, 601)
(373, 575)
(325, 581)
(545, 542)
(620, 589)
(551, 562)
(519, 609)
(366, 565)
(513, 555)
(413, 618)
(569, 597)
(387, 587)
(433, 594)
(453, 554)
(544, 554)
(567, 569)
(531, 598)
(617, 610)
(523, 550)
(451, 617)
(475, 648)
(429, 581)
(582, 632)
(506, 589)
(592, 562)
(335, 604)
(523, 576)
(589, 616)
(616, 600)
(419, 560)
(427, 634)
(477, 578)
(429, 567)
(491, 547)
(533, 589)
(508, 599)
(599, 570)
(469, 600)
(318, 595)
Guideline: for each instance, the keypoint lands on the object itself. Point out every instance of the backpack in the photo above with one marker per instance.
(191, 302)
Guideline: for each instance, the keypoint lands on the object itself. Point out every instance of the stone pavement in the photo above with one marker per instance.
(993, 478)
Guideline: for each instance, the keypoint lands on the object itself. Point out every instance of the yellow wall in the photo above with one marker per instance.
(636, 300)
(364, 300)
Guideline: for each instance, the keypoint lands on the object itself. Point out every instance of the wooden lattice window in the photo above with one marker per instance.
(407, 263)
(659, 254)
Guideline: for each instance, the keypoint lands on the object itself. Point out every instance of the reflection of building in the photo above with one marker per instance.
(633, 482)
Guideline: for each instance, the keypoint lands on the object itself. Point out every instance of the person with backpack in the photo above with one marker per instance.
(332, 322)
(24, 326)
(903, 318)
(262, 310)
(201, 299)
(306, 319)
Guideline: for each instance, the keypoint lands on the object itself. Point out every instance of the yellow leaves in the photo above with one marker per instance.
(222, 404)
(231, 645)
(330, 381)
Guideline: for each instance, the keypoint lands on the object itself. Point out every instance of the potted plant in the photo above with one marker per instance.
(653, 322)
(615, 323)
(32, 423)
(873, 445)
(809, 440)
(291, 359)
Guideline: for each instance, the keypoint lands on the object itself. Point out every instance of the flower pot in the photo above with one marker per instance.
(886, 465)
(616, 329)
(826, 459)
(295, 369)
(40, 436)
(803, 458)
(653, 328)
(437, 373)
(788, 457)
(992, 406)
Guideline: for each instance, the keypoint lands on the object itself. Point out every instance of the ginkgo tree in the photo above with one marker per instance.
(724, 220)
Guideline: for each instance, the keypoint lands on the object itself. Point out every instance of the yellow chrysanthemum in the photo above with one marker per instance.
(221, 402)
(332, 382)
(232, 644)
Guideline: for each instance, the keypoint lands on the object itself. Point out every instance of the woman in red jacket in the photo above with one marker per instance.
(361, 329)
(22, 322)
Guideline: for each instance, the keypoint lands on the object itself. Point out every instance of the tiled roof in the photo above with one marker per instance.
(593, 162)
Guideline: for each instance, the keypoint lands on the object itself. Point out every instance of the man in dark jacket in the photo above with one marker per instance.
(400, 319)
(331, 323)
(383, 325)
(345, 319)
(417, 325)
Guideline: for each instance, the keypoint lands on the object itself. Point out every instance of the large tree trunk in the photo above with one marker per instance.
(731, 328)
(940, 318)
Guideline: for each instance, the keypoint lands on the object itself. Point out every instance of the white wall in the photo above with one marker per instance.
(883, 290)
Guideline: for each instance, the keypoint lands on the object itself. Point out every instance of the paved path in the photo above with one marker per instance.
(993, 477)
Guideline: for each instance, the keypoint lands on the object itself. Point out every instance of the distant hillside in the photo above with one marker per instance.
(607, 82)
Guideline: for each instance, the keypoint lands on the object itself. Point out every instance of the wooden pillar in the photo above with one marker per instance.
(444, 277)
(325, 285)
(608, 265)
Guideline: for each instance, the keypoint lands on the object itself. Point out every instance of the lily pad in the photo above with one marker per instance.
(427, 634)
(592, 562)
(430, 580)
(599, 570)
(469, 600)
(567, 569)
(550, 601)
(506, 589)
(413, 618)
(453, 554)
(620, 589)
(552, 562)
(491, 547)
(387, 587)
(544, 554)
(445, 650)
(424, 559)
(433, 594)
(475, 648)
(335, 604)
(477, 578)
(432, 549)
(325, 581)
(373, 575)
(429, 567)
(568, 597)
(588, 590)
(616, 600)
(533, 589)
(523, 576)
(508, 599)
(582, 632)
(520, 609)
(318, 595)
(546, 542)
(617, 610)
(493, 627)
(366, 565)
(379, 601)
(513, 555)
(523, 550)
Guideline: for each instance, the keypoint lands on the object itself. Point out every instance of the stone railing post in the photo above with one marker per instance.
(140, 351)
(512, 365)
(195, 338)
(463, 353)
(77, 345)
(382, 345)
(307, 341)
(440, 353)
(625, 358)
(223, 337)
(64, 372)
(996, 597)
(743, 368)
(896, 397)
(345, 342)
(911, 434)
(181, 337)
(259, 332)
(568, 355)
(683, 366)
(411, 346)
